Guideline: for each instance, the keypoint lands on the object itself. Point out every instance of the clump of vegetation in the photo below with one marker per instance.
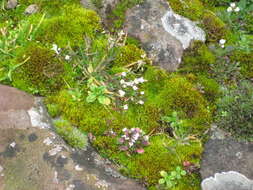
(216, 29)
(42, 72)
(171, 180)
(117, 14)
(235, 113)
(70, 134)
(192, 9)
(70, 27)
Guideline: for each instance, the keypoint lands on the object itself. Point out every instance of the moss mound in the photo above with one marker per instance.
(42, 72)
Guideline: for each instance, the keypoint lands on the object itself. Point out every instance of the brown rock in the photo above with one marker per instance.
(13, 99)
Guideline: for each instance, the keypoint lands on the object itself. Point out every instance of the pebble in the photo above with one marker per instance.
(78, 168)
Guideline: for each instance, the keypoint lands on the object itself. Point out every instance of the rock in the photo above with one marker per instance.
(163, 33)
(11, 4)
(223, 153)
(33, 157)
(32, 9)
(227, 181)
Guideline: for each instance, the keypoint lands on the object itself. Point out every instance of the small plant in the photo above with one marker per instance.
(235, 110)
(176, 124)
(133, 140)
(72, 135)
(98, 93)
(171, 180)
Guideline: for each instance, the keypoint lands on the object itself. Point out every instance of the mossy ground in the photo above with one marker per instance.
(192, 91)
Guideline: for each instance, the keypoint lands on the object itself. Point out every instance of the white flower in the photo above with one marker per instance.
(146, 138)
(222, 46)
(122, 81)
(143, 56)
(124, 86)
(136, 81)
(124, 130)
(136, 136)
(67, 57)
(135, 88)
(142, 92)
(122, 93)
(123, 74)
(222, 41)
(229, 9)
(237, 9)
(141, 102)
(131, 144)
(125, 107)
(56, 49)
(131, 83)
(141, 80)
(13, 144)
(232, 5)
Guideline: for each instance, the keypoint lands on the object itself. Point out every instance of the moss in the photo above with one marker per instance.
(128, 54)
(116, 16)
(148, 165)
(215, 28)
(50, 7)
(197, 59)
(192, 9)
(72, 135)
(42, 73)
(246, 62)
(179, 94)
(210, 87)
(71, 27)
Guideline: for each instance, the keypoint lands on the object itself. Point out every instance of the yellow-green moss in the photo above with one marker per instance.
(178, 94)
(192, 9)
(148, 165)
(70, 27)
(42, 73)
(246, 63)
(215, 28)
(197, 58)
(128, 54)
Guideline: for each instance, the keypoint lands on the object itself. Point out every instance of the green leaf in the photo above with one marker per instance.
(183, 172)
(173, 173)
(104, 100)
(91, 98)
(161, 181)
(163, 173)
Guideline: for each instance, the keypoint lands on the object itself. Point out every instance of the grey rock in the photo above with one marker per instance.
(11, 4)
(227, 181)
(32, 9)
(163, 33)
(35, 157)
(223, 153)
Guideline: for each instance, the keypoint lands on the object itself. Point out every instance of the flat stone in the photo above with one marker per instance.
(11, 4)
(163, 34)
(227, 181)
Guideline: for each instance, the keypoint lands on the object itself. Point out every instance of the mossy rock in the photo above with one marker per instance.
(192, 9)
(215, 28)
(70, 27)
(197, 59)
(42, 73)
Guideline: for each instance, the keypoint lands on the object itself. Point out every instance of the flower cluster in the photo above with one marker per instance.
(233, 8)
(57, 50)
(222, 43)
(130, 90)
(133, 140)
